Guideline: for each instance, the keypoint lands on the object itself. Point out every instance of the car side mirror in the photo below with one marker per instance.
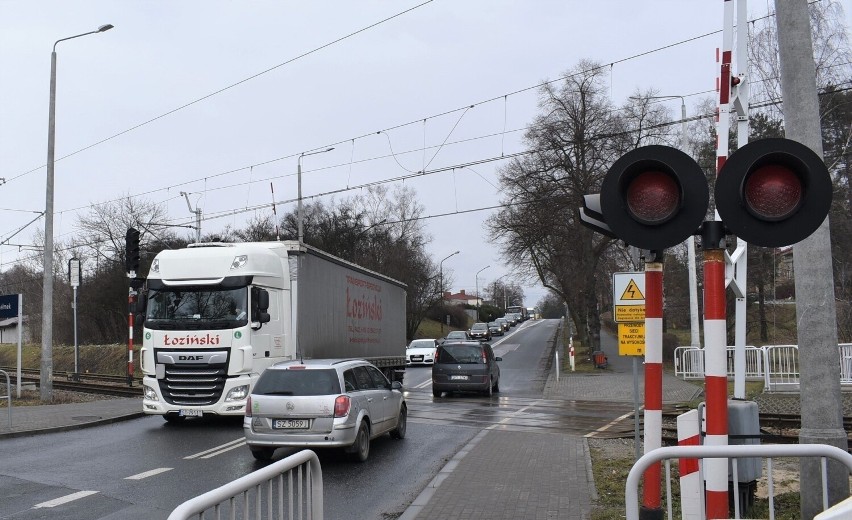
(396, 385)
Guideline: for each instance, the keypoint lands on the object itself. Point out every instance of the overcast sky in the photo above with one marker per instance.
(310, 75)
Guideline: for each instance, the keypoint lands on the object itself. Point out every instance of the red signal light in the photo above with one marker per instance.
(773, 192)
(653, 197)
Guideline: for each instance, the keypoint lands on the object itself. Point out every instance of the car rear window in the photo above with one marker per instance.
(460, 354)
(298, 382)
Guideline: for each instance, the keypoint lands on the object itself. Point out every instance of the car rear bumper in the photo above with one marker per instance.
(342, 435)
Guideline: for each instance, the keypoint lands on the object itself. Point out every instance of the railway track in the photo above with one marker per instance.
(101, 384)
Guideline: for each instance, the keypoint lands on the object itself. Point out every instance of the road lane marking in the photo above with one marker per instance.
(223, 450)
(146, 474)
(424, 384)
(608, 426)
(64, 500)
(224, 447)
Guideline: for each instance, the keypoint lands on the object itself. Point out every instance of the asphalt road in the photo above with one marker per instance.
(142, 469)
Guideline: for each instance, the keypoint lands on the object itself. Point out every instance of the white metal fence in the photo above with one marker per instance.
(765, 451)
(776, 365)
(288, 489)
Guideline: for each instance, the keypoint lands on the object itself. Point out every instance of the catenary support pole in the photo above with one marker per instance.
(651, 508)
(822, 414)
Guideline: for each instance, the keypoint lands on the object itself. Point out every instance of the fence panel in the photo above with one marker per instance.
(782, 368)
(292, 486)
(765, 451)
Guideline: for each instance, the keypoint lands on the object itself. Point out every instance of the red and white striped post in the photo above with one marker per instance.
(651, 503)
(715, 370)
(689, 434)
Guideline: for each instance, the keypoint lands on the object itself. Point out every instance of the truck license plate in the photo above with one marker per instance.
(191, 413)
(458, 378)
(291, 424)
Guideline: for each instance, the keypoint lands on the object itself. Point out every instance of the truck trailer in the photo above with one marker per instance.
(217, 314)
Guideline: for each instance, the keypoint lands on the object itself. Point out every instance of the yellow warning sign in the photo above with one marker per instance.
(629, 313)
(631, 339)
(632, 292)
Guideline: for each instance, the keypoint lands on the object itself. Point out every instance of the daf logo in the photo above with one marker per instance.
(290, 406)
(190, 358)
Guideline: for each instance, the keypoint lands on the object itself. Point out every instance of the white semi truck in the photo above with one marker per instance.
(217, 314)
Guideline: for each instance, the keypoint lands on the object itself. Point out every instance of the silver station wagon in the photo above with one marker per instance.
(323, 403)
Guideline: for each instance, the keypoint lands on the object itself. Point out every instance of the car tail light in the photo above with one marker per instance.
(248, 407)
(484, 358)
(436, 355)
(341, 406)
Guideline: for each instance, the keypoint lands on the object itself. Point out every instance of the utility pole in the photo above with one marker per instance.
(822, 414)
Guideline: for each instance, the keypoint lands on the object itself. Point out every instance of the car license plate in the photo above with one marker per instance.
(416, 358)
(458, 378)
(291, 424)
(191, 413)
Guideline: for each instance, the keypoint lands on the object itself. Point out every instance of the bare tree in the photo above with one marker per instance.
(571, 146)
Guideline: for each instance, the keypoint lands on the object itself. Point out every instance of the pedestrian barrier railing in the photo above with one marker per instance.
(782, 374)
(292, 485)
(776, 365)
(8, 396)
(765, 451)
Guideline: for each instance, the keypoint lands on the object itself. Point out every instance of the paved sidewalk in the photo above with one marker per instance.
(29, 420)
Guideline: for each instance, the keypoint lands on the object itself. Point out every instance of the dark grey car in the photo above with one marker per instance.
(465, 366)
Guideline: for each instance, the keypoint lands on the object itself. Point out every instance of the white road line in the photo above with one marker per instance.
(610, 425)
(146, 474)
(237, 442)
(424, 384)
(223, 450)
(64, 500)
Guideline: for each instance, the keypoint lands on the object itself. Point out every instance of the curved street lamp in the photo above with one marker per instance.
(46, 372)
(441, 284)
(478, 299)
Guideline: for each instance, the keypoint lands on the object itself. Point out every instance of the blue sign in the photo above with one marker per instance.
(9, 306)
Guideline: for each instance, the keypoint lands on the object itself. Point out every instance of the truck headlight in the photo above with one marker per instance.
(150, 393)
(237, 394)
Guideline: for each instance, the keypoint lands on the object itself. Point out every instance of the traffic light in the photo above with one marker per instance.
(652, 198)
(131, 251)
(773, 192)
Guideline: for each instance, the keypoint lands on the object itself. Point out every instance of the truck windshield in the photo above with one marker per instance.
(224, 307)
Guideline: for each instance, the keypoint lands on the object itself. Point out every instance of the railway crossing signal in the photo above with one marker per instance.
(773, 192)
(131, 252)
(652, 198)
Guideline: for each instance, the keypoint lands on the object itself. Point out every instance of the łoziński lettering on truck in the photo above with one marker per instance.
(216, 315)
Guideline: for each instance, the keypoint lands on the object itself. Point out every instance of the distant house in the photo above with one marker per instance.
(460, 298)
(9, 330)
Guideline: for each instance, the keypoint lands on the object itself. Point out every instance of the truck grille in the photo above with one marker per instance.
(188, 385)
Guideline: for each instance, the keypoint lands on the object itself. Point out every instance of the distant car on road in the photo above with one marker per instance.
(454, 335)
(323, 403)
(465, 366)
(420, 352)
(496, 328)
(505, 323)
(479, 331)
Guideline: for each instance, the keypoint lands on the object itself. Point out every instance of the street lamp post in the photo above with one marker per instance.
(478, 299)
(441, 284)
(299, 175)
(46, 372)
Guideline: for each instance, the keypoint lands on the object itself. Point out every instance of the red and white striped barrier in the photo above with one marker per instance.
(689, 434)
